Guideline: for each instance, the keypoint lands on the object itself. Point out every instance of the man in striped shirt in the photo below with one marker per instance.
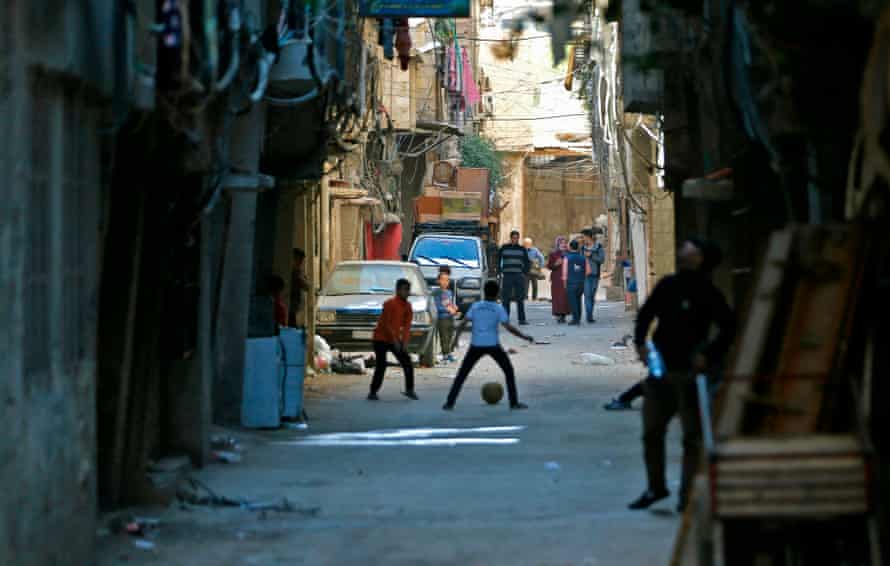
(513, 266)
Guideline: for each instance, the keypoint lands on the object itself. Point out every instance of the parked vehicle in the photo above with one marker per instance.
(464, 255)
(352, 300)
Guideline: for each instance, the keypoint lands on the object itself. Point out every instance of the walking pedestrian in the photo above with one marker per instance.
(487, 316)
(513, 265)
(558, 296)
(534, 273)
(595, 254)
(298, 285)
(686, 305)
(573, 272)
(391, 334)
(446, 310)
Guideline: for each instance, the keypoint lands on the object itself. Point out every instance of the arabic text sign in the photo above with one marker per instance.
(416, 8)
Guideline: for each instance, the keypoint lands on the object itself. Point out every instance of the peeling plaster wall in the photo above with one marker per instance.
(54, 91)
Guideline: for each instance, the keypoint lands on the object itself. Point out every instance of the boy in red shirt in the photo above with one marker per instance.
(391, 335)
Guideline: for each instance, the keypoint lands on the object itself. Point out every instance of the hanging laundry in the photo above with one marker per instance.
(470, 90)
(387, 31)
(451, 78)
(403, 43)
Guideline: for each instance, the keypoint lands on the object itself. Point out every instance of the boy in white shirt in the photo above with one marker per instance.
(486, 317)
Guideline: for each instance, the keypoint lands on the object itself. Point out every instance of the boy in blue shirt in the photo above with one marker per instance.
(575, 266)
(486, 317)
(446, 310)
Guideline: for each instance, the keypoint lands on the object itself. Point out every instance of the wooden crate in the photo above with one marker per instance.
(811, 476)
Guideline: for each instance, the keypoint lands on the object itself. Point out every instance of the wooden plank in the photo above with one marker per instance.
(801, 466)
(799, 495)
(817, 478)
(753, 338)
(813, 332)
(790, 445)
(785, 510)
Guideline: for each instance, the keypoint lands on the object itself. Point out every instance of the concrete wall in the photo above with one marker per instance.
(559, 203)
(55, 83)
(512, 191)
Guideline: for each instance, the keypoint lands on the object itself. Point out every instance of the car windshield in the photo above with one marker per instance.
(447, 251)
(371, 279)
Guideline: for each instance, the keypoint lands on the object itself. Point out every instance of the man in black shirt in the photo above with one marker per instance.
(514, 265)
(686, 305)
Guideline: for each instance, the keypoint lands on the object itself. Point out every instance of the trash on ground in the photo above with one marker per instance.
(557, 334)
(173, 464)
(283, 506)
(295, 426)
(552, 466)
(196, 492)
(512, 351)
(166, 474)
(543, 342)
(227, 457)
(624, 343)
(591, 359)
(225, 442)
(346, 366)
(144, 544)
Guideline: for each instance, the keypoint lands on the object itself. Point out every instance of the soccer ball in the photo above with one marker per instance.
(492, 392)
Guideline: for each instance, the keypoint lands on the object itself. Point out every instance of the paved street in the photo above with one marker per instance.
(547, 486)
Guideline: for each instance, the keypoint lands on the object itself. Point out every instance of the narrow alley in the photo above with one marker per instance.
(557, 496)
(219, 218)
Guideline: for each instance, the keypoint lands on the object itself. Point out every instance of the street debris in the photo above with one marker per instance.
(295, 426)
(624, 343)
(512, 351)
(552, 466)
(144, 544)
(227, 457)
(353, 366)
(591, 359)
(224, 442)
(196, 492)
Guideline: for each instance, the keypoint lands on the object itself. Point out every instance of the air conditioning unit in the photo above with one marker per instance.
(488, 104)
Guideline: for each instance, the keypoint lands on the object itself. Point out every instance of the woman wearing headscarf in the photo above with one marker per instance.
(560, 304)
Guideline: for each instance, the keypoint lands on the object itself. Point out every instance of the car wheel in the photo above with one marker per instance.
(428, 356)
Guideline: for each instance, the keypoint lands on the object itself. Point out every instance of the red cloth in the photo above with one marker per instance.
(394, 324)
(386, 244)
(280, 311)
(471, 91)
(558, 294)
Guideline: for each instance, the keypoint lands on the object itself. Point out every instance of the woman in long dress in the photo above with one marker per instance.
(560, 304)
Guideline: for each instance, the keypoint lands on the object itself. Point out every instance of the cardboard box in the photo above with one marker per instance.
(429, 217)
(427, 205)
(458, 205)
(432, 191)
(474, 180)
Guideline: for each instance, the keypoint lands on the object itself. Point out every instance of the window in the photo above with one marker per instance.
(447, 251)
(371, 279)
